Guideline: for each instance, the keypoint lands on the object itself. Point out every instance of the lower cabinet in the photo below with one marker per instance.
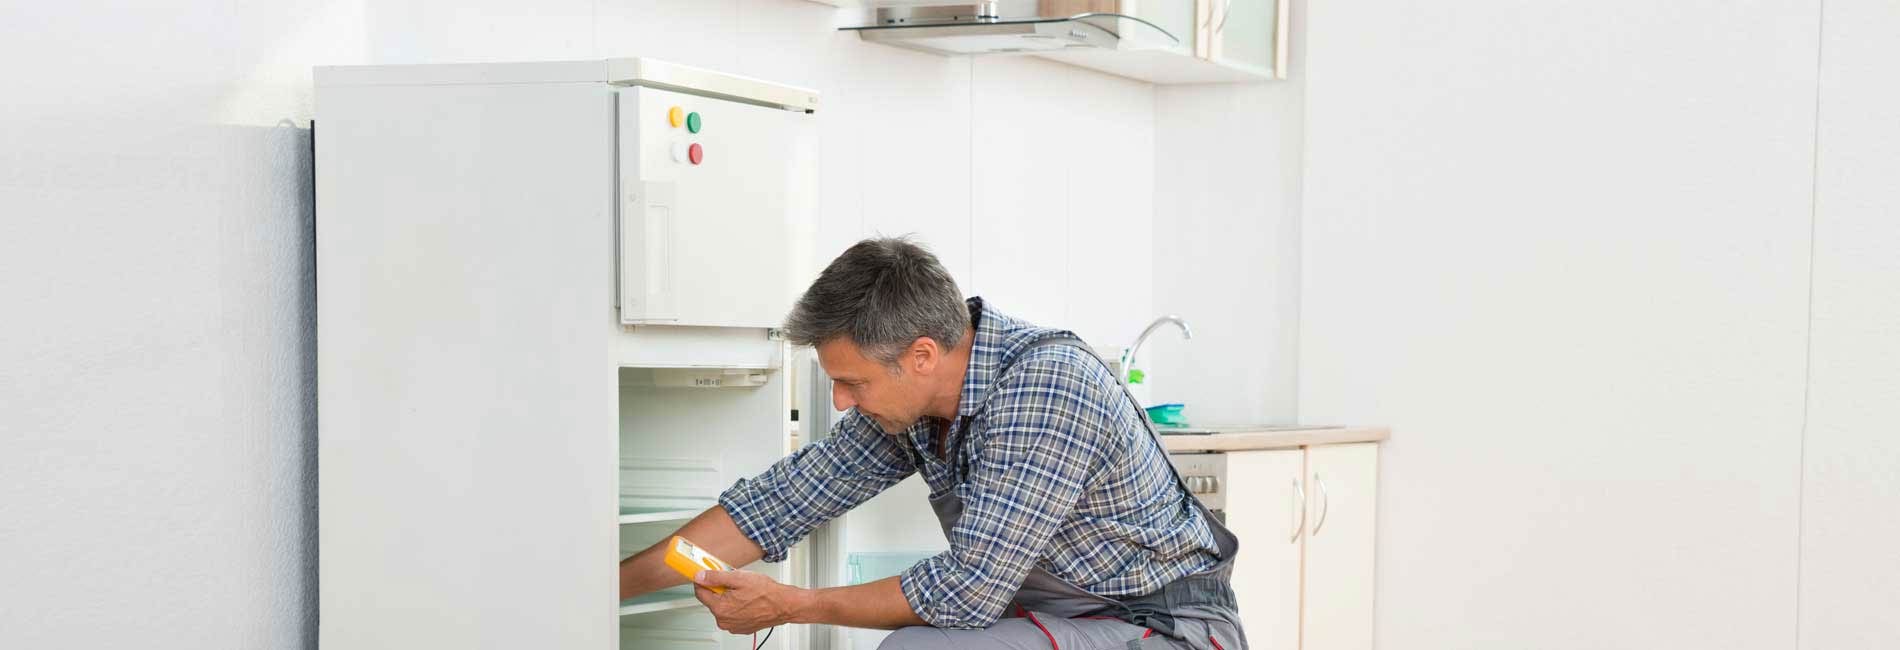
(1306, 520)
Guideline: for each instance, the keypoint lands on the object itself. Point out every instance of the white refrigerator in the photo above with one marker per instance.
(546, 301)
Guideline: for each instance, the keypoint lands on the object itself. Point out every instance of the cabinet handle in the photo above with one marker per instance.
(1324, 504)
(1299, 497)
(1225, 11)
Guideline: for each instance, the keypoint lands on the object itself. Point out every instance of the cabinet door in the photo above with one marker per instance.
(1247, 35)
(1175, 17)
(1263, 509)
(1202, 34)
(1342, 485)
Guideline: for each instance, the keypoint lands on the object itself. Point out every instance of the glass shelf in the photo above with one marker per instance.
(680, 597)
(641, 515)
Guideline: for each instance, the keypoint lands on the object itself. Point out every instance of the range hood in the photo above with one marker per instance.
(1006, 27)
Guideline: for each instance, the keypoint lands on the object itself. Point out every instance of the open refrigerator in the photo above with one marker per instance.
(547, 296)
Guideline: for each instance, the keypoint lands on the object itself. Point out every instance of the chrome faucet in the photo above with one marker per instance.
(1128, 356)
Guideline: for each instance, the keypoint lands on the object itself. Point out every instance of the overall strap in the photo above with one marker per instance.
(1065, 339)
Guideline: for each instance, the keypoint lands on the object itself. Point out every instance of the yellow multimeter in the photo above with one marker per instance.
(688, 559)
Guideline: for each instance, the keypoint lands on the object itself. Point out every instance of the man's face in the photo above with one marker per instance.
(893, 398)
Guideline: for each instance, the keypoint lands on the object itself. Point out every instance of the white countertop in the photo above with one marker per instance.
(1241, 438)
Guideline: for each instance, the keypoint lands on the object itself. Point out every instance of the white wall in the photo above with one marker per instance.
(1564, 478)
(1563, 249)
(1062, 195)
(155, 447)
(156, 423)
(1226, 245)
(1850, 572)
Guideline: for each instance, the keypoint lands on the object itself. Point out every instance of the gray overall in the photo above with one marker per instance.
(1196, 611)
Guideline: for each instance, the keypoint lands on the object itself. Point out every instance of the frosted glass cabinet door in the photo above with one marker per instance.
(1263, 510)
(1341, 486)
(1245, 34)
(1176, 17)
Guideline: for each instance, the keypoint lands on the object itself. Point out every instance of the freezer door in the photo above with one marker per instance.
(717, 201)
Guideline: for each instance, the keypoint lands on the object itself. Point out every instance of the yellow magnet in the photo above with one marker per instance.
(674, 116)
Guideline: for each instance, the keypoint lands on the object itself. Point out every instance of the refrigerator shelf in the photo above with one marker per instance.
(638, 515)
(680, 597)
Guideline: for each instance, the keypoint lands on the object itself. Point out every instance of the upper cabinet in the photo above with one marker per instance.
(1220, 41)
(1160, 41)
(1246, 36)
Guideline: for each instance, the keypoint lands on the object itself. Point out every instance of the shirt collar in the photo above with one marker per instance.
(986, 354)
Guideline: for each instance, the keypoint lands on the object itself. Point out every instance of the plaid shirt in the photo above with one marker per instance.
(1052, 463)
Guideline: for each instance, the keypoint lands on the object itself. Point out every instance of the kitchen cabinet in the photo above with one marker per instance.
(1336, 611)
(1266, 500)
(1306, 519)
(1247, 36)
(1220, 41)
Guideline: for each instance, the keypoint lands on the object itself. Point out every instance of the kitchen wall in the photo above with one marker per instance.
(1226, 245)
(1637, 351)
(1850, 574)
(155, 455)
(157, 428)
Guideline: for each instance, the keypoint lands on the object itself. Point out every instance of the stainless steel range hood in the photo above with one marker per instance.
(1003, 27)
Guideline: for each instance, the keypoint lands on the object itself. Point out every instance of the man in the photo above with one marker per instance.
(1067, 526)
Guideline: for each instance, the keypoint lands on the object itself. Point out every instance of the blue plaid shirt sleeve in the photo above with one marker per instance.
(1045, 433)
(816, 484)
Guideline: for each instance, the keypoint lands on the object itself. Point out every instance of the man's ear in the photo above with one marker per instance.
(924, 354)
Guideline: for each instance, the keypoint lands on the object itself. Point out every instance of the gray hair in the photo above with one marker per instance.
(883, 293)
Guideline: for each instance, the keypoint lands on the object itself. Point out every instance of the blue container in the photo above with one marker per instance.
(1167, 415)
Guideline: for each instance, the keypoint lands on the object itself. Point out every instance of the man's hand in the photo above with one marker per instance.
(713, 530)
(752, 601)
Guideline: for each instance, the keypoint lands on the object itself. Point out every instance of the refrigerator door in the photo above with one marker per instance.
(878, 539)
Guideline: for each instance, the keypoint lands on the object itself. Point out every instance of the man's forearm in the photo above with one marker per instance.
(712, 530)
(879, 605)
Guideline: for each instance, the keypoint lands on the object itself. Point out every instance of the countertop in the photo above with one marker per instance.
(1241, 438)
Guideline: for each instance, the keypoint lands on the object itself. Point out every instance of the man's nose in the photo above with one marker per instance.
(841, 398)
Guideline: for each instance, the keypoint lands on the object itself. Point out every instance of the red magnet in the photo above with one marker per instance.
(695, 154)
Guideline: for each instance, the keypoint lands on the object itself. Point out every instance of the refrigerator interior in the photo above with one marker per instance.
(679, 448)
